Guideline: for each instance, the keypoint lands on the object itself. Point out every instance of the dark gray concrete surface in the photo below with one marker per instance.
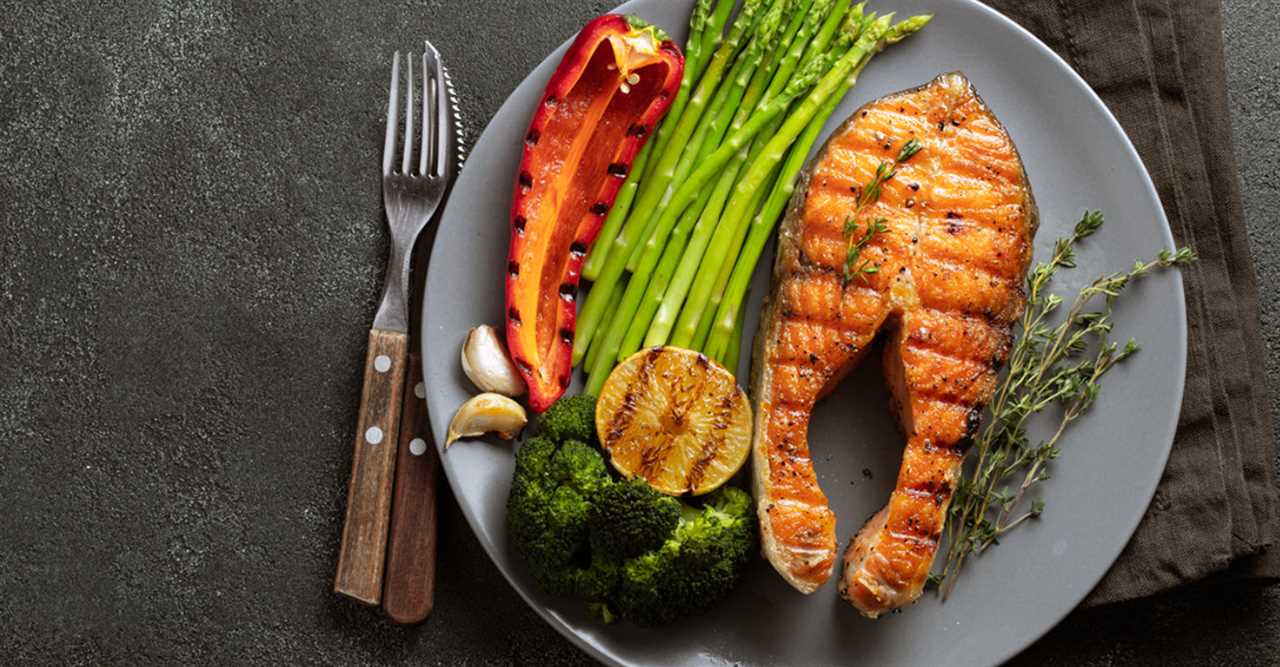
(190, 245)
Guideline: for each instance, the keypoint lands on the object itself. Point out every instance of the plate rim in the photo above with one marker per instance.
(1179, 348)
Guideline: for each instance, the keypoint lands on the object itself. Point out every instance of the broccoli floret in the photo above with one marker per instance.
(648, 591)
(694, 569)
(551, 495)
(595, 579)
(570, 418)
(579, 466)
(532, 461)
(629, 518)
(626, 549)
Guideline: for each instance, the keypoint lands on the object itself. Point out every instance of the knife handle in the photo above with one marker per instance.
(364, 534)
(408, 593)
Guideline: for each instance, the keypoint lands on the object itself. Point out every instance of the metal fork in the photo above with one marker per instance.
(410, 197)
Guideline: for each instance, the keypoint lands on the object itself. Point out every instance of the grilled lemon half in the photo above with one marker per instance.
(676, 419)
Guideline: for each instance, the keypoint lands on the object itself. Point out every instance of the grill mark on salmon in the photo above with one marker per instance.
(961, 219)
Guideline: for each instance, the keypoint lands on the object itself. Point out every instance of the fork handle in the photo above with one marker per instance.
(408, 594)
(364, 534)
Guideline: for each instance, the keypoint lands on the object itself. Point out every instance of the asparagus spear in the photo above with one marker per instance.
(815, 35)
(735, 344)
(669, 216)
(694, 125)
(613, 224)
(637, 228)
(705, 32)
(762, 226)
(856, 23)
(648, 302)
(593, 350)
(740, 94)
(748, 191)
(704, 35)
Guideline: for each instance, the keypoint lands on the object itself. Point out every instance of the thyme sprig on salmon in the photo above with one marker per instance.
(852, 267)
(1050, 365)
(870, 195)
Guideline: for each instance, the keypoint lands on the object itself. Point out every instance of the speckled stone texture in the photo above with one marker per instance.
(190, 252)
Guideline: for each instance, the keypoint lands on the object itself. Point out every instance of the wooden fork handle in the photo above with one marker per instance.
(408, 593)
(364, 534)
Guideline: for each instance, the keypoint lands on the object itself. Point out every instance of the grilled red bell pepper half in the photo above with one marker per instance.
(613, 86)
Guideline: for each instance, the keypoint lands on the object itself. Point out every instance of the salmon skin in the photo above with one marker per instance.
(959, 220)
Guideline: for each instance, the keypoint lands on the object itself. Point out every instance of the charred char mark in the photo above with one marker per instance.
(513, 315)
(626, 412)
(526, 180)
(566, 335)
(637, 130)
(972, 422)
(942, 493)
(513, 268)
(519, 223)
(599, 208)
(533, 136)
(568, 291)
(578, 248)
(618, 170)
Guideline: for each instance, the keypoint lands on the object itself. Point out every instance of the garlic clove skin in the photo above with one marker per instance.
(487, 413)
(486, 364)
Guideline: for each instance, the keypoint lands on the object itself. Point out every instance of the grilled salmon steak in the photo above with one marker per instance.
(942, 277)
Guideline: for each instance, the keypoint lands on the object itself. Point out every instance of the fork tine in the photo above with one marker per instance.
(393, 103)
(407, 159)
(440, 141)
(428, 95)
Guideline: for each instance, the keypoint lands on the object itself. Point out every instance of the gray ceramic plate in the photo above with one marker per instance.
(1077, 157)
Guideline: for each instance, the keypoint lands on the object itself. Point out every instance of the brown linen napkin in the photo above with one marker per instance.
(1158, 65)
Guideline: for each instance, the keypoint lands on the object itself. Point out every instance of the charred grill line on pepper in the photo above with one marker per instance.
(619, 74)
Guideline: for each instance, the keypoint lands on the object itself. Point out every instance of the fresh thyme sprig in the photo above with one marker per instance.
(868, 196)
(852, 267)
(1049, 365)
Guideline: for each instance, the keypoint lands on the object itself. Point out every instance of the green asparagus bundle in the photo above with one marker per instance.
(675, 256)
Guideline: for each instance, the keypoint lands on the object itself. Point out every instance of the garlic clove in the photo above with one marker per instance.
(487, 413)
(486, 364)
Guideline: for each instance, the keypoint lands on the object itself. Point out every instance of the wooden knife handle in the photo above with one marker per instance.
(408, 594)
(364, 535)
